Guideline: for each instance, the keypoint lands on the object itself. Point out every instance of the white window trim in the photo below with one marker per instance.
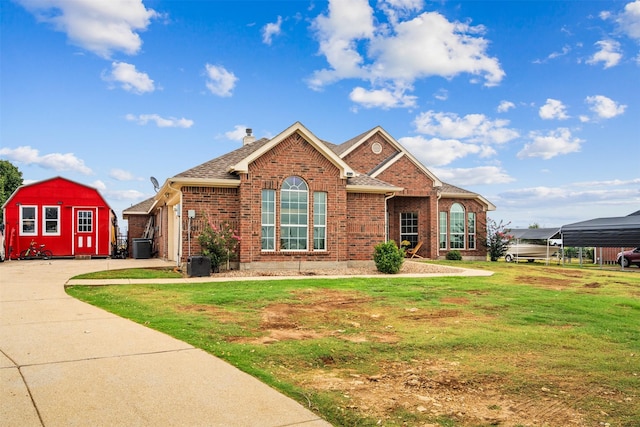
(464, 227)
(443, 217)
(306, 226)
(275, 213)
(471, 234)
(324, 225)
(78, 221)
(45, 220)
(35, 221)
(417, 232)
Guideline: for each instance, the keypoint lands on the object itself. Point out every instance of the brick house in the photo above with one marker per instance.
(295, 199)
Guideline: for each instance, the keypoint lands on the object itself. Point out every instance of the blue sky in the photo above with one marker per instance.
(533, 104)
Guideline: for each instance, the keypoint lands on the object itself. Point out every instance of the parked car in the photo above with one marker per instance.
(529, 252)
(627, 258)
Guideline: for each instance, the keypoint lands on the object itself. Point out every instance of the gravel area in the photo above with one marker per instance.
(408, 267)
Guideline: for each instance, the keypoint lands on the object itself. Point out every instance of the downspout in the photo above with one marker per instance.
(439, 195)
(386, 215)
(179, 219)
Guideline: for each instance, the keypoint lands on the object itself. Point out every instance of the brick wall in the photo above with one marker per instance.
(469, 205)
(213, 206)
(426, 226)
(404, 173)
(136, 225)
(365, 224)
(363, 159)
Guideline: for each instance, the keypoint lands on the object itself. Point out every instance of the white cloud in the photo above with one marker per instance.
(161, 122)
(554, 143)
(629, 20)
(101, 27)
(553, 109)
(383, 98)
(472, 127)
(609, 54)
(121, 175)
(581, 193)
(505, 106)
(338, 32)
(270, 30)
(238, 132)
(604, 107)
(55, 161)
(394, 54)
(129, 78)
(438, 152)
(441, 95)
(483, 175)
(128, 195)
(220, 81)
(553, 55)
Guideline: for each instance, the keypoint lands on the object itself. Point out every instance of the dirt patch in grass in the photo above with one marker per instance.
(542, 281)
(424, 391)
(437, 389)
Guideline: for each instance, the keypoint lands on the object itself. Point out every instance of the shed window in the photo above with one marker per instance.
(51, 220)
(28, 221)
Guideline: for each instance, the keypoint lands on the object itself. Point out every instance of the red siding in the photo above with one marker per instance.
(70, 197)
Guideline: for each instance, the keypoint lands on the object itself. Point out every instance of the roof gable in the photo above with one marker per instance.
(242, 166)
(50, 181)
(349, 146)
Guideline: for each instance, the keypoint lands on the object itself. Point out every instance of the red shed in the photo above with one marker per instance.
(69, 218)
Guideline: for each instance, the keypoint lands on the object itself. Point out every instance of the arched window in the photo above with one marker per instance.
(456, 226)
(294, 214)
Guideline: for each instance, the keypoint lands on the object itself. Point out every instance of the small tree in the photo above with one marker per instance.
(388, 257)
(498, 239)
(219, 243)
(10, 179)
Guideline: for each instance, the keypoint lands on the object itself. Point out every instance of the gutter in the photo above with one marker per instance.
(386, 215)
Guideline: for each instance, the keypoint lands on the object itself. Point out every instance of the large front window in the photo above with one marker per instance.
(456, 224)
(294, 206)
(409, 228)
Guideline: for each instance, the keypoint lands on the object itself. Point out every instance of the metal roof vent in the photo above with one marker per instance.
(249, 138)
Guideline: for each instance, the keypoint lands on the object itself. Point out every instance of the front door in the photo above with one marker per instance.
(85, 231)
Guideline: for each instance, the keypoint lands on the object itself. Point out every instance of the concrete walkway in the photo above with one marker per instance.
(67, 363)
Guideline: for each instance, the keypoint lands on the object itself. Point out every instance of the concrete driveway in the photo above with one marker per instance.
(66, 363)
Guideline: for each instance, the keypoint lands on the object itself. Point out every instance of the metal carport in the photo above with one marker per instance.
(613, 232)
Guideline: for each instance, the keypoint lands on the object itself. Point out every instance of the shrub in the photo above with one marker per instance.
(219, 243)
(454, 255)
(388, 257)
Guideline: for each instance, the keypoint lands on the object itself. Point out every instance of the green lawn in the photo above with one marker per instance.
(531, 345)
